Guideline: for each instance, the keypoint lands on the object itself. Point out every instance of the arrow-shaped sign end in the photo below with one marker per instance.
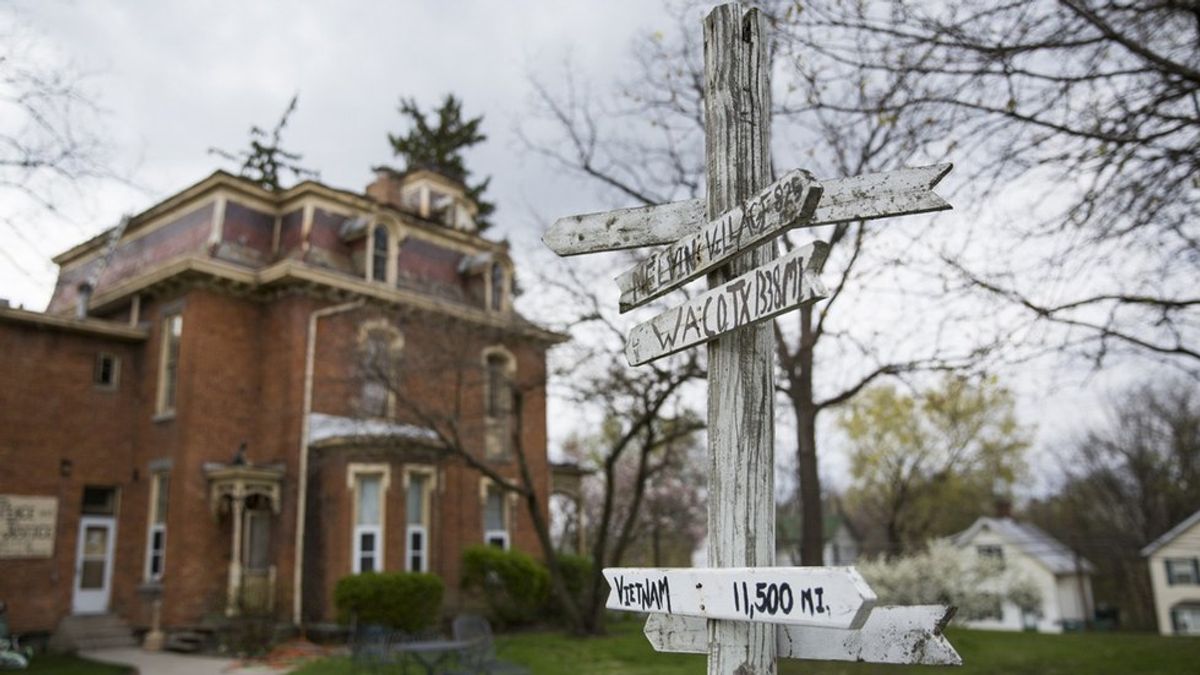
(899, 635)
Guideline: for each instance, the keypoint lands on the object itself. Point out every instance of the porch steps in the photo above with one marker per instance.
(92, 631)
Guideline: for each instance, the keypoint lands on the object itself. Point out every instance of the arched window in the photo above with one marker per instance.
(379, 253)
(499, 369)
(380, 346)
(497, 300)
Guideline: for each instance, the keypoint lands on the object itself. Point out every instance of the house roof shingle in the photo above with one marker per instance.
(1168, 536)
(1031, 540)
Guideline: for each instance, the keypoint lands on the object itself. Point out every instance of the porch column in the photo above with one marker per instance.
(238, 505)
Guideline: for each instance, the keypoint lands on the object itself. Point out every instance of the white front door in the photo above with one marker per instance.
(93, 564)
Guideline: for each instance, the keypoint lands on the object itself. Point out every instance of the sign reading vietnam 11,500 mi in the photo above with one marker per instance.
(833, 597)
(760, 294)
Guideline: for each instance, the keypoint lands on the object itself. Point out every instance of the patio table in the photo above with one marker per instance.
(430, 654)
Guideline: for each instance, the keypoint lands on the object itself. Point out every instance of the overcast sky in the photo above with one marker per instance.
(176, 78)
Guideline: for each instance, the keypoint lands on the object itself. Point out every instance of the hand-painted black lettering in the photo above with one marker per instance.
(649, 594)
(692, 323)
(722, 314)
(760, 594)
(667, 339)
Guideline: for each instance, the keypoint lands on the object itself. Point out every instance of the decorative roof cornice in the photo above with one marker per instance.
(281, 201)
(292, 272)
(89, 326)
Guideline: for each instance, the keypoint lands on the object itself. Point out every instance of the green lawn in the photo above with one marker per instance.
(58, 664)
(625, 651)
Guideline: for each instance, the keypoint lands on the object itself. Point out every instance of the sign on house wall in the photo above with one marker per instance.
(27, 526)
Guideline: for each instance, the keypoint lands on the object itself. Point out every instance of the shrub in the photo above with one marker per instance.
(513, 585)
(404, 600)
(945, 574)
(577, 574)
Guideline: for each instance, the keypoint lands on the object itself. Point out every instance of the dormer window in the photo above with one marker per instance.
(379, 253)
(439, 199)
(497, 295)
(441, 207)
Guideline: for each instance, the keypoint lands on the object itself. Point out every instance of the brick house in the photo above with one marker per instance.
(239, 396)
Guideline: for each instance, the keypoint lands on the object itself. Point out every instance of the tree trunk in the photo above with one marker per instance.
(540, 525)
(812, 538)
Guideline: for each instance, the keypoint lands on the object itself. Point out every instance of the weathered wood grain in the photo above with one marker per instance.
(782, 204)
(833, 597)
(899, 635)
(901, 192)
(779, 286)
(623, 228)
(741, 364)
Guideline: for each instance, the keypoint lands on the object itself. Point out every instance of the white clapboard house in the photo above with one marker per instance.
(1063, 579)
(1174, 560)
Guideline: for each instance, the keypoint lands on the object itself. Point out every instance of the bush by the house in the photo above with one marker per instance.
(577, 573)
(406, 601)
(513, 585)
(945, 574)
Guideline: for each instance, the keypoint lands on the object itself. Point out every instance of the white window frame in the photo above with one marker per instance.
(154, 527)
(354, 473)
(504, 535)
(490, 287)
(498, 428)
(161, 404)
(395, 350)
(429, 474)
(372, 234)
(1188, 568)
(115, 379)
(356, 564)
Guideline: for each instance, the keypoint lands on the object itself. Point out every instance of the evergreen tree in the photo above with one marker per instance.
(266, 159)
(439, 147)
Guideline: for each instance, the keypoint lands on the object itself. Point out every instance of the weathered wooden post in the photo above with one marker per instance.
(741, 364)
(742, 610)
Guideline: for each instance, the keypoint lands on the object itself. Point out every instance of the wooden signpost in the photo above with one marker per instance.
(743, 610)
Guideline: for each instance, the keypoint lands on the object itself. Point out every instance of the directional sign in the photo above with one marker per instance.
(788, 201)
(834, 597)
(869, 196)
(778, 286)
(911, 635)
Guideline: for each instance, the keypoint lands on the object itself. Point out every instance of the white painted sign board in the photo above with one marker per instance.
(760, 294)
(902, 192)
(903, 635)
(786, 202)
(27, 525)
(834, 597)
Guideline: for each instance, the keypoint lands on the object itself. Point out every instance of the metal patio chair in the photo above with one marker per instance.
(479, 656)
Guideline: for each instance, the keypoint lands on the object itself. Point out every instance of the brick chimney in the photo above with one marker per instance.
(386, 186)
(1003, 505)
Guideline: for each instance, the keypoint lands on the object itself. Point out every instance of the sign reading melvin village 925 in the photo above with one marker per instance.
(832, 597)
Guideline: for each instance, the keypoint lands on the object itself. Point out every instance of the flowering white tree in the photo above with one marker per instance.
(945, 574)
